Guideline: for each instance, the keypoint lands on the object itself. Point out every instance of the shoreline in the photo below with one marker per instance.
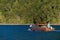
(24, 24)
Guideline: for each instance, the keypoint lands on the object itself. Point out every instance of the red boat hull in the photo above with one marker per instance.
(42, 29)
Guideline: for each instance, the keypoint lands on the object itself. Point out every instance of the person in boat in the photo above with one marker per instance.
(35, 23)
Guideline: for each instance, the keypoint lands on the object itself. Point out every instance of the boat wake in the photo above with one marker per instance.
(57, 30)
(29, 29)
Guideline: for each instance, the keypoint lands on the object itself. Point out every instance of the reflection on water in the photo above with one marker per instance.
(20, 32)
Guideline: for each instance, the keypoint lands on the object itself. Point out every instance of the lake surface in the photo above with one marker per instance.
(20, 32)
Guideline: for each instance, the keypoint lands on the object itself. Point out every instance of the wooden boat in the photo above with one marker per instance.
(44, 28)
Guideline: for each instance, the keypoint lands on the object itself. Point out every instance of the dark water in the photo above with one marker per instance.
(20, 32)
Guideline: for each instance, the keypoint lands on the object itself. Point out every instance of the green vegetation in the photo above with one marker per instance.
(24, 11)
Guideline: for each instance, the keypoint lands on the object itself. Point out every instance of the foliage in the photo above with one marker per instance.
(23, 11)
